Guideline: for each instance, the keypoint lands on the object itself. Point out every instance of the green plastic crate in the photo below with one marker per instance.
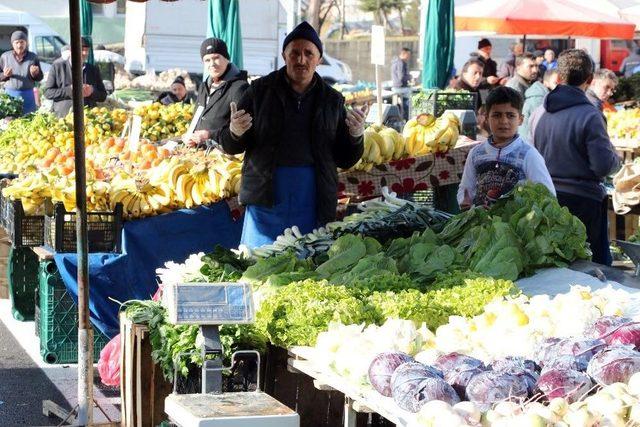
(22, 274)
(58, 320)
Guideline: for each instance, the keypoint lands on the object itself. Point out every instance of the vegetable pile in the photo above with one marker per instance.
(10, 106)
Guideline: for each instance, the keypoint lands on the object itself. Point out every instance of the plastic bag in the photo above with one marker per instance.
(109, 363)
(489, 387)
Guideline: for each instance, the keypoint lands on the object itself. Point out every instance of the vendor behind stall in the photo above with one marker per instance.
(21, 70)
(225, 84)
(295, 132)
(177, 93)
(58, 86)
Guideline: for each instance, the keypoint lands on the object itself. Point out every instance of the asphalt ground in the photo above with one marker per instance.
(26, 381)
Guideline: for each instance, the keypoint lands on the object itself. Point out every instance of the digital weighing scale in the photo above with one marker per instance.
(211, 305)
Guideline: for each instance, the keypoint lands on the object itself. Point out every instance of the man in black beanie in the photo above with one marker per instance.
(295, 132)
(225, 84)
(490, 70)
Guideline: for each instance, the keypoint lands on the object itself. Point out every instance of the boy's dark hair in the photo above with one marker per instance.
(575, 67)
(406, 49)
(521, 58)
(472, 61)
(504, 95)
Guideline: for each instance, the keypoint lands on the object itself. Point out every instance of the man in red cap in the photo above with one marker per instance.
(295, 132)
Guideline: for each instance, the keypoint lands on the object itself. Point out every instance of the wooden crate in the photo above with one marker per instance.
(142, 386)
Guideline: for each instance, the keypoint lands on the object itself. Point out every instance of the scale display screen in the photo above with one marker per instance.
(209, 303)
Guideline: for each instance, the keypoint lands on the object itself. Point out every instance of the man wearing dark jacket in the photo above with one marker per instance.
(526, 74)
(470, 79)
(58, 86)
(225, 84)
(400, 78)
(490, 69)
(571, 134)
(295, 132)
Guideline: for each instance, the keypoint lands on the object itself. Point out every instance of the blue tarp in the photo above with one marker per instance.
(146, 245)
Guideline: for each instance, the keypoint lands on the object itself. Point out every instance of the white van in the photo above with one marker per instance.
(45, 42)
(164, 35)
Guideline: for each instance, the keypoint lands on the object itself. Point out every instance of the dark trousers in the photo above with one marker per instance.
(593, 215)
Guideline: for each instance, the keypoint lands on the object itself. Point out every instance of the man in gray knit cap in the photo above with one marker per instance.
(20, 70)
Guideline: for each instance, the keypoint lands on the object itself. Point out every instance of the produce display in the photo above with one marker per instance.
(437, 101)
(153, 81)
(10, 106)
(425, 134)
(623, 124)
(521, 357)
(147, 179)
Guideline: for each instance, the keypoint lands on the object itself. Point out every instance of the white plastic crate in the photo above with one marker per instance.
(209, 303)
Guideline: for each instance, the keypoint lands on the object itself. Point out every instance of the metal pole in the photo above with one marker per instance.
(85, 334)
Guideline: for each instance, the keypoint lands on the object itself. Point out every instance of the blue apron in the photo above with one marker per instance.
(294, 204)
(28, 98)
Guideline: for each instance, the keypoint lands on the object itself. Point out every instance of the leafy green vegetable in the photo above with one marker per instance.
(265, 268)
(300, 311)
(370, 266)
(343, 254)
(222, 265)
(10, 106)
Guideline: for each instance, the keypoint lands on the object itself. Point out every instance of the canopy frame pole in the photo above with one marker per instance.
(85, 333)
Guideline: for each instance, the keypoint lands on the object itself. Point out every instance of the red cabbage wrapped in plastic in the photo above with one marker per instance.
(411, 396)
(604, 325)
(382, 368)
(626, 334)
(582, 349)
(567, 383)
(520, 367)
(451, 360)
(489, 387)
(459, 376)
(566, 362)
(410, 388)
(614, 364)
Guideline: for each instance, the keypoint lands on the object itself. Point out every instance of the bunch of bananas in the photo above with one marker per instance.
(164, 121)
(32, 189)
(426, 134)
(381, 145)
(624, 124)
(139, 197)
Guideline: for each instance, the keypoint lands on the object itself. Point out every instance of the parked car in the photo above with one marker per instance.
(333, 70)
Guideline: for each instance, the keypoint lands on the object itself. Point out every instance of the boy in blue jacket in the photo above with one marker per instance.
(496, 166)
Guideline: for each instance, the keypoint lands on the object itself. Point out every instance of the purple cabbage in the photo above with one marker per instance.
(567, 383)
(382, 368)
(489, 387)
(614, 364)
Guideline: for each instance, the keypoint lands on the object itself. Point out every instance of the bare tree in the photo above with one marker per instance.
(313, 13)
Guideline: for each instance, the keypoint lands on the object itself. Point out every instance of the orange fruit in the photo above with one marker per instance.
(66, 170)
(47, 162)
(119, 142)
(145, 165)
(70, 163)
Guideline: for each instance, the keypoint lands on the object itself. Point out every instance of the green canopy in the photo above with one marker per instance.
(438, 44)
(223, 22)
(86, 26)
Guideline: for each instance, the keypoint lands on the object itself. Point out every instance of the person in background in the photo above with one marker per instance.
(295, 132)
(470, 79)
(482, 125)
(490, 70)
(571, 134)
(508, 68)
(20, 70)
(550, 62)
(58, 85)
(538, 55)
(400, 78)
(526, 74)
(630, 62)
(602, 87)
(533, 98)
(225, 84)
(177, 93)
(496, 166)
